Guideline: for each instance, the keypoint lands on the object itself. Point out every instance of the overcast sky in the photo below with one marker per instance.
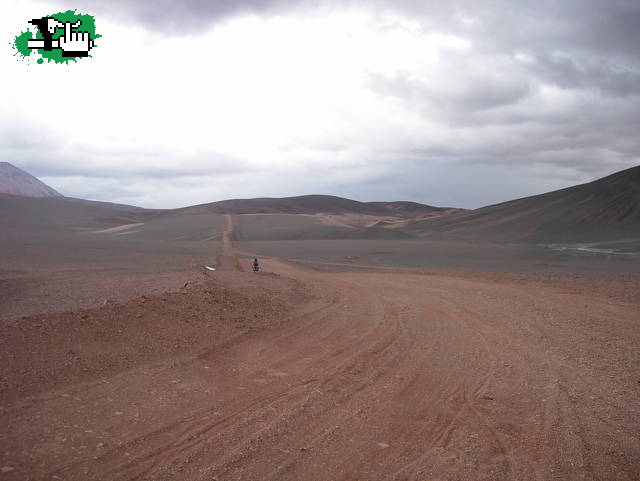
(456, 103)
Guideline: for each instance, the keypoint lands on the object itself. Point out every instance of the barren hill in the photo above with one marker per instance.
(62, 212)
(605, 209)
(314, 204)
(16, 181)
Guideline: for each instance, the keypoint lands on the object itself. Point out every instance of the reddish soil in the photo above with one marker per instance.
(368, 375)
(56, 271)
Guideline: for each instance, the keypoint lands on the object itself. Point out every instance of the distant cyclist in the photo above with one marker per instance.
(256, 266)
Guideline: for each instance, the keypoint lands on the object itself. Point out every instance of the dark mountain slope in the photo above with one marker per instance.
(605, 209)
(62, 212)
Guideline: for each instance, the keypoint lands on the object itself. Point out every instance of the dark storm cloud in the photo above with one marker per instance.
(590, 72)
(573, 43)
(586, 26)
(603, 26)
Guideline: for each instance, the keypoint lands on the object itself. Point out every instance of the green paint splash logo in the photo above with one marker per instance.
(59, 38)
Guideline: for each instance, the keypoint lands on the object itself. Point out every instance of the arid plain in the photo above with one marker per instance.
(361, 351)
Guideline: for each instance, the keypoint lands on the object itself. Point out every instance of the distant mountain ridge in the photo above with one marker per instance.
(605, 209)
(16, 181)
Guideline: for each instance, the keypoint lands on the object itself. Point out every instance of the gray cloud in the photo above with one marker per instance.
(183, 17)
(590, 72)
(589, 44)
(603, 26)
(44, 154)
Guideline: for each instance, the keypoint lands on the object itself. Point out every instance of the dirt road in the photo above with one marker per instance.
(226, 259)
(382, 375)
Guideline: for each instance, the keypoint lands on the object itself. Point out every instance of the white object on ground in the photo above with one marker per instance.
(210, 268)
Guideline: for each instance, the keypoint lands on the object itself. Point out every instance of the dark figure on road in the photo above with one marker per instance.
(256, 266)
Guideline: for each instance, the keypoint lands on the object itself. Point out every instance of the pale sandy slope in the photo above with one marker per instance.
(386, 375)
